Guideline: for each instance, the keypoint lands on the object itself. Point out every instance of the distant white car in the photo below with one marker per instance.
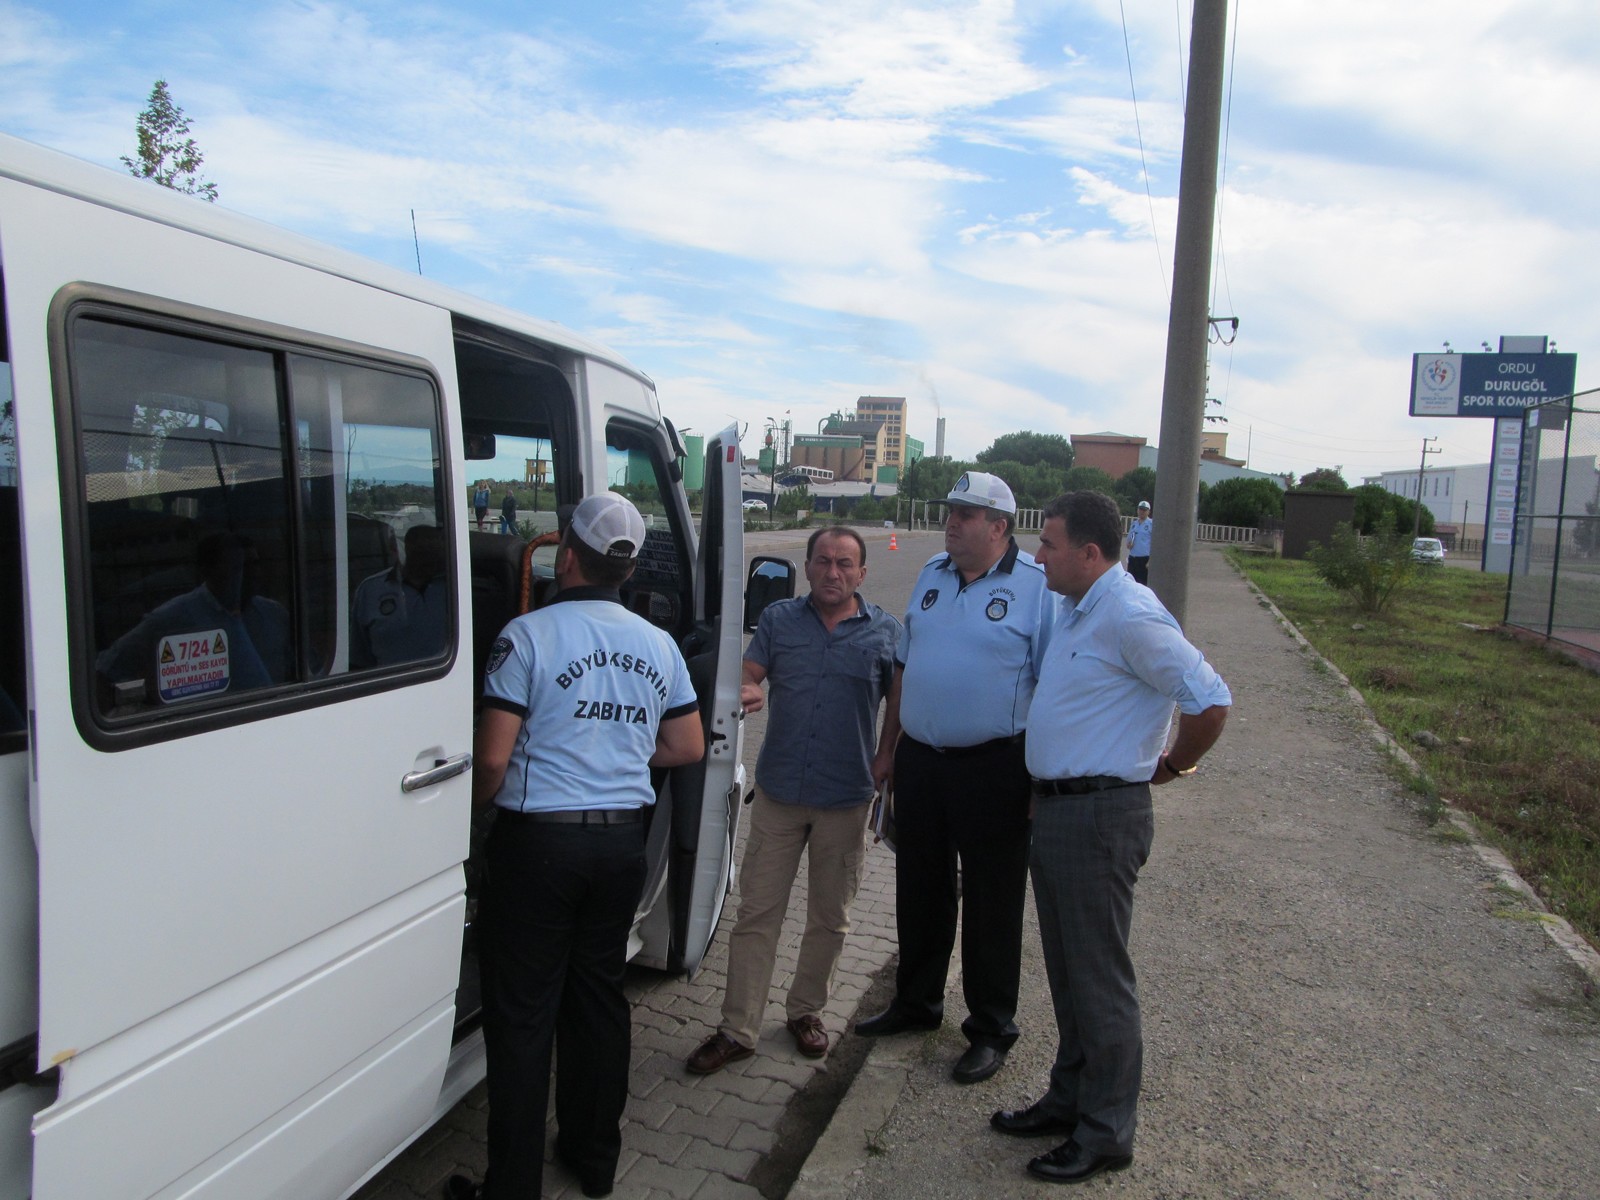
(1427, 550)
(756, 504)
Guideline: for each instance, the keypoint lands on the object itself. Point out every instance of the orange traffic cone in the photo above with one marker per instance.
(892, 544)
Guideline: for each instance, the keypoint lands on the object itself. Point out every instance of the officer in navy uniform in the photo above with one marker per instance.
(581, 699)
(975, 633)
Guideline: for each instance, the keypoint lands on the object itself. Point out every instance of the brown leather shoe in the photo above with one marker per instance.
(810, 1038)
(716, 1052)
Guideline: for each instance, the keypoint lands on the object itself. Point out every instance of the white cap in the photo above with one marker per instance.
(983, 491)
(609, 524)
(1144, 504)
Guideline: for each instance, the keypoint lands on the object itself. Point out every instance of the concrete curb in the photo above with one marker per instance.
(831, 1167)
(1560, 931)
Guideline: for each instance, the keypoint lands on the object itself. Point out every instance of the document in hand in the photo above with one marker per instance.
(883, 819)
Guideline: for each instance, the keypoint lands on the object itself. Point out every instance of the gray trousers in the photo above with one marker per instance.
(1085, 860)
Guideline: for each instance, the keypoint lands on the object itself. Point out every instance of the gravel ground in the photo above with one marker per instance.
(1339, 1000)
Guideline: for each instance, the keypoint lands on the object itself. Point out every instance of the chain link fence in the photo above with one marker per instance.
(1554, 588)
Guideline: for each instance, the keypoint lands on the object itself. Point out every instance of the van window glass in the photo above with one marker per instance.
(637, 468)
(13, 686)
(368, 453)
(255, 519)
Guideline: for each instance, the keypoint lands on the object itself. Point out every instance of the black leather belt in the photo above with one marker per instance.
(1083, 785)
(579, 816)
(981, 748)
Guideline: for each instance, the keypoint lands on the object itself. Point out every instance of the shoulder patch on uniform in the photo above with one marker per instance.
(929, 597)
(997, 609)
(498, 653)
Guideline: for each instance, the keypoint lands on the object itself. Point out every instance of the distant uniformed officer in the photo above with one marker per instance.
(581, 699)
(975, 633)
(1139, 531)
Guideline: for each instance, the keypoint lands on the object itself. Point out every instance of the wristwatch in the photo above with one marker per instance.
(1177, 774)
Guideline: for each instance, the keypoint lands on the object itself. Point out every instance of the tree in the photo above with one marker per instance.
(1374, 502)
(1323, 479)
(163, 158)
(1032, 486)
(1089, 479)
(1241, 502)
(1029, 449)
(1138, 484)
(931, 478)
(795, 500)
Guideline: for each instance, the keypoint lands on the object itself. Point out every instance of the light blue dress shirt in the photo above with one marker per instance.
(1116, 666)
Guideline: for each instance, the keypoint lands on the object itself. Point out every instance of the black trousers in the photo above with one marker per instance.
(1139, 568)
(971, 808)
(557, 906)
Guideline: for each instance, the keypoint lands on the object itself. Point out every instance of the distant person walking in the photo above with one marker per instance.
(508, 513)
(1139, 544)
(480, 504)
(1116, 666)
(828, 661)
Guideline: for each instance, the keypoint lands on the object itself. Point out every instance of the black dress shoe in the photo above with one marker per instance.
(459, 1187)
(977, 1064)
(1032, 1121)
(1071, 1163)
(896, 1020)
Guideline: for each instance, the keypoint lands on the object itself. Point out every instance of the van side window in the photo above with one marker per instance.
(256, 518)
(13, 688)
(660, 588)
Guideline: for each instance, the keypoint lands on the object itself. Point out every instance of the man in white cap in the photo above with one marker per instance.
(1139, 544)
(974, 635)
(581, 698)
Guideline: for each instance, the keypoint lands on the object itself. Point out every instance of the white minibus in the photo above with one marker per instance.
(236, 889)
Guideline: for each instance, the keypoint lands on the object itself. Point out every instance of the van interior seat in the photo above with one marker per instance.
(496, 591)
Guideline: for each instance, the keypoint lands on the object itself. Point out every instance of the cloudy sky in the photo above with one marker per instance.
(774, 206)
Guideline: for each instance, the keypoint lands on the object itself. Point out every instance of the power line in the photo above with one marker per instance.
(1155, 234)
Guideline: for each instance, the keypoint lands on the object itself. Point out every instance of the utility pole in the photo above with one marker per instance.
(1183, 392)
(1416, 526)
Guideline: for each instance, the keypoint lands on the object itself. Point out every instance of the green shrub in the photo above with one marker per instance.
(1370, 571)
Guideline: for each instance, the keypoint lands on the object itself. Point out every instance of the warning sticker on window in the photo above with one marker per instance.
(192, 664)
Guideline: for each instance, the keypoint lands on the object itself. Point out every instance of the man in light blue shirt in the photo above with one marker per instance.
(1139, 543)
(1117, 665)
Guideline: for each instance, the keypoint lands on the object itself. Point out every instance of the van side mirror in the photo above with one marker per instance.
(769, 579)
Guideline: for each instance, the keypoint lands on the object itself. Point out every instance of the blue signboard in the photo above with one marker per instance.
(1488, 385)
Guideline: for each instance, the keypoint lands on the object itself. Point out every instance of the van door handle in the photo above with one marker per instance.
(442, 769)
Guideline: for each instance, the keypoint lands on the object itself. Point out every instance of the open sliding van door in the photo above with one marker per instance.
(249, 814)
(705, 805)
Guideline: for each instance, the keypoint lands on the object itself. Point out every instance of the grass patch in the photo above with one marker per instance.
(1518, 728)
